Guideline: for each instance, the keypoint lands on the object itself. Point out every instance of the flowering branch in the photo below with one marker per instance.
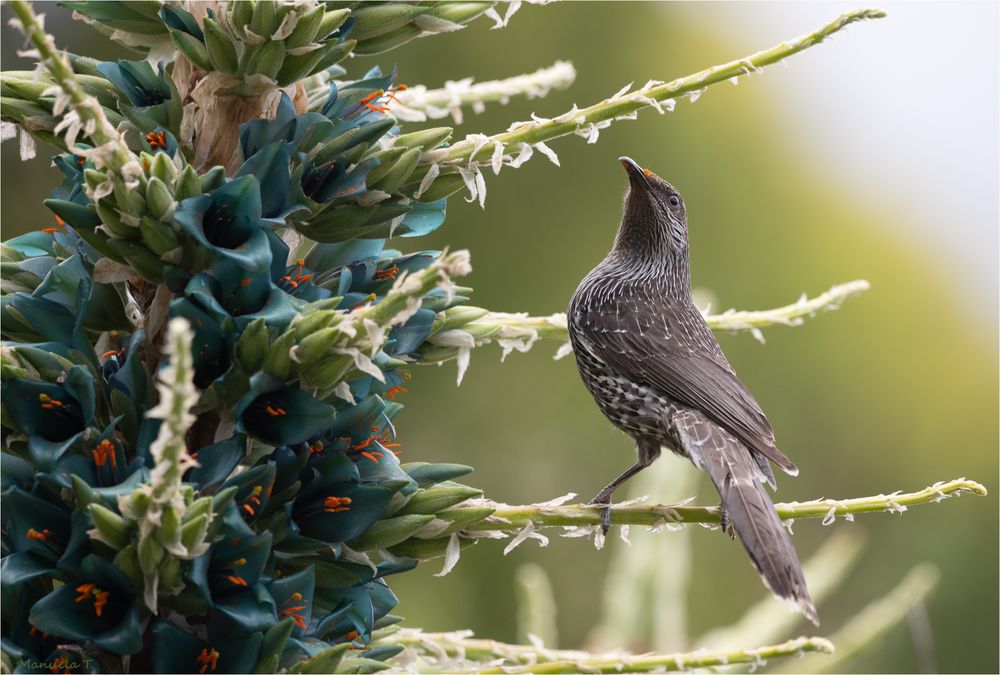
(512, 519)
(418, 103)
(623, 105)
(89, 114)
(463, 328)
(460, 652)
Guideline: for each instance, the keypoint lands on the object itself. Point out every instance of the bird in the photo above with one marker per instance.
(656, 371)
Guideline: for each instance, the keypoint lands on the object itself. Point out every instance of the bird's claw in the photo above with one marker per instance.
(727, 525)
(605, 511)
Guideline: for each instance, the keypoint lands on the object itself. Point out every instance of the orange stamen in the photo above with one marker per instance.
(248, 509)
(208, 660)
(246, 282)
(100, 597)
(104, 451)
(391, 394)
(371, 97)
(239, 581)
(388, 273)
(156, 139)
(48, 402)
(274, 412)
(336, 504)
(372, 456)
(35, 535)
(241, 562)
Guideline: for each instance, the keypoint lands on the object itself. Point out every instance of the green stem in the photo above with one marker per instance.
(524, 330)
(86, 106)
(514, 518)
(532, 659)
(627, 103)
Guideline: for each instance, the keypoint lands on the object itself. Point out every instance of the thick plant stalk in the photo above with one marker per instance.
(519, 332)
(625, 103)
(419, 103)
(459, 649)
(512, 519)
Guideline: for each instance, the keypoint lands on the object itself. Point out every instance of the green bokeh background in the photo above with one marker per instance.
(895, 391)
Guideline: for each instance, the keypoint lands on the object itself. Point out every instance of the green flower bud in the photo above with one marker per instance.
(240, 14)
(315, 321)
(426, 549)
(389, 532)
(192, 49)
(188, 184)
(29, 90)
(159, 200)
(113, 222)
(162, 167)
(387, 41)
(426, 139)
(112, 529)
(171, 581)
(220, 48)
(331, 21)
(267, 59)
(213, 178)
(438, 498)
(335, 56)
(458, 12)
(327, 661)
(456, 317)
(169, 531)
(317, 345)
(145, 262)
(278, 362)
(264, 19)
(444, 185)
(127, 561)
(150, 554)
(464, 518)
(307, 27)
(201, 506)
(157, 235)
(395, 173)
(194, 531)
(298, 66)
(380, 18)
(252, 346)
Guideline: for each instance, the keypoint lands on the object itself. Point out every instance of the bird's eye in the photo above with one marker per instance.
(674, 201)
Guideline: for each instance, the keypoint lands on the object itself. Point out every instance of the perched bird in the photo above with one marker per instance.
(656, 371)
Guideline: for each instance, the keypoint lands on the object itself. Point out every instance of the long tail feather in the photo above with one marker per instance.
(752, 514)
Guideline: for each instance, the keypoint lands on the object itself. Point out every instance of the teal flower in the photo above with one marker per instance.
(152, 100)
(227, 221)
(98, 605)
(179, 651)
(38, 533)
(228, 577)
(283, 416)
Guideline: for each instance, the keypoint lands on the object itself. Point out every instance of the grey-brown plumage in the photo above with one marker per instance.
(656, 371)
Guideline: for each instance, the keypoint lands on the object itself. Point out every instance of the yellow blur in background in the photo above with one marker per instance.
(872, 156)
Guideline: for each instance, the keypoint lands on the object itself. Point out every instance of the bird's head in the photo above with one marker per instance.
(654, 221)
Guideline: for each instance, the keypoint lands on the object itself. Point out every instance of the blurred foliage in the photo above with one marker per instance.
(896, 391)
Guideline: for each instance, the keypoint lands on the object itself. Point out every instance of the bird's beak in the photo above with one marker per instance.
(636, 174)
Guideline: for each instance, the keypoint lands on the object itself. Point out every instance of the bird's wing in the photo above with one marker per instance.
(676, 354)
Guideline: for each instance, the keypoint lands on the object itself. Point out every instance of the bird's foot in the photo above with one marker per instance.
(605, 500)
(727, 525)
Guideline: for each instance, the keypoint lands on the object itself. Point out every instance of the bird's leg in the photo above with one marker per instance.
(604, 496)
(727, 525)
(648, 451)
